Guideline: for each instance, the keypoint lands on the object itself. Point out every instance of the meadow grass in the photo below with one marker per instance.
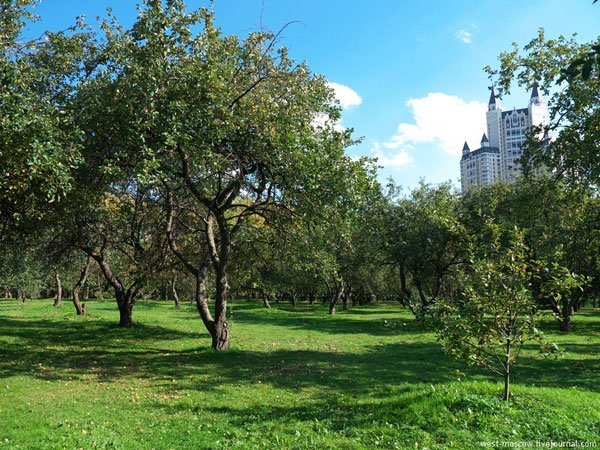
(371, 377)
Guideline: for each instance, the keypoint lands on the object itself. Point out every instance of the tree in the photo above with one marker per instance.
(225, 128)
(560, 228)
(80, 308)
(22, 271)
(123, 235)
(423, 239)
(39, 145)
(496, 311)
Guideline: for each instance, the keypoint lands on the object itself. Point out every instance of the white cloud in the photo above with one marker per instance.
(346, 96)
(464, 36)
(387, 159)
(440, 119)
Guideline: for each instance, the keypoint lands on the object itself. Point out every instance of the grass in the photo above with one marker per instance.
(368, 378)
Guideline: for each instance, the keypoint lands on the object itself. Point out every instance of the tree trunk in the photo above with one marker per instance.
(80, 307)
(220, 333)
(406, 293)
(355, 300)
(175, 294)
(506, 396)
(202, 298)
(164, 293)
(507, 365)
(294, 299)
(335, 298)
(125, 302)
(59, 291)
(221, 337)
(266, 301)
(422, 296)
(125, 298)
(332, 307)
(567, 312)
(311, 298)
(346, 300)
(219, 255)
(125, 313)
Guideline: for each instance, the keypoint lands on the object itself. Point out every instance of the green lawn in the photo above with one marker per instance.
(368, 378)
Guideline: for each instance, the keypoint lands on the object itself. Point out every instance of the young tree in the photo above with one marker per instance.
(560, 225)
(495, 313)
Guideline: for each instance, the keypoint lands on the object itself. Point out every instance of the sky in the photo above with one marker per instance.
(408, 74)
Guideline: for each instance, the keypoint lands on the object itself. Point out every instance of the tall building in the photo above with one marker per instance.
(497, 158)
(481, 166)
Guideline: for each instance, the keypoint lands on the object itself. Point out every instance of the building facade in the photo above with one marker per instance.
(498, 157)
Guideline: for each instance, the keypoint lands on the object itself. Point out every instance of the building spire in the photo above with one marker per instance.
(492, 103)
(534, 92)
(466, 148)
(484, 141)
(492, 96)
(536, 98)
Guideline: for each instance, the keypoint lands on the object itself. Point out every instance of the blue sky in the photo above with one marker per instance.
(409, 73)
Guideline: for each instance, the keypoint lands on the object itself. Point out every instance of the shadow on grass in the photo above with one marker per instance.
(585, 321)
(343, 323)
(99, 351)
(570, 370)
(333, 412)
(95, 350)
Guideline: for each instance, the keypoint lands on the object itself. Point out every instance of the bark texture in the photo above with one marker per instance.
(59, 291)
(80, 307)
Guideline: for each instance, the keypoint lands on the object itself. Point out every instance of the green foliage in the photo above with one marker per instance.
(496, 312)
(560, 227)
(423, 238)
(39, 142)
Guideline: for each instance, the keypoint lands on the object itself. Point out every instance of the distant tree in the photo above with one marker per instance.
(123, 234)
(24, 269)
(423, 239)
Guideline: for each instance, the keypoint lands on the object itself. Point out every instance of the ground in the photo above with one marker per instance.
(294, 378)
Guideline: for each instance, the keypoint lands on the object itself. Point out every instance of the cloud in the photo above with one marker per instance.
(398, 159)
(464, 36)
(439, 119)
(346, 96)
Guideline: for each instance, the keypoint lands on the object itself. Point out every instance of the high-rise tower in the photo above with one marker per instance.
(506, 134)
